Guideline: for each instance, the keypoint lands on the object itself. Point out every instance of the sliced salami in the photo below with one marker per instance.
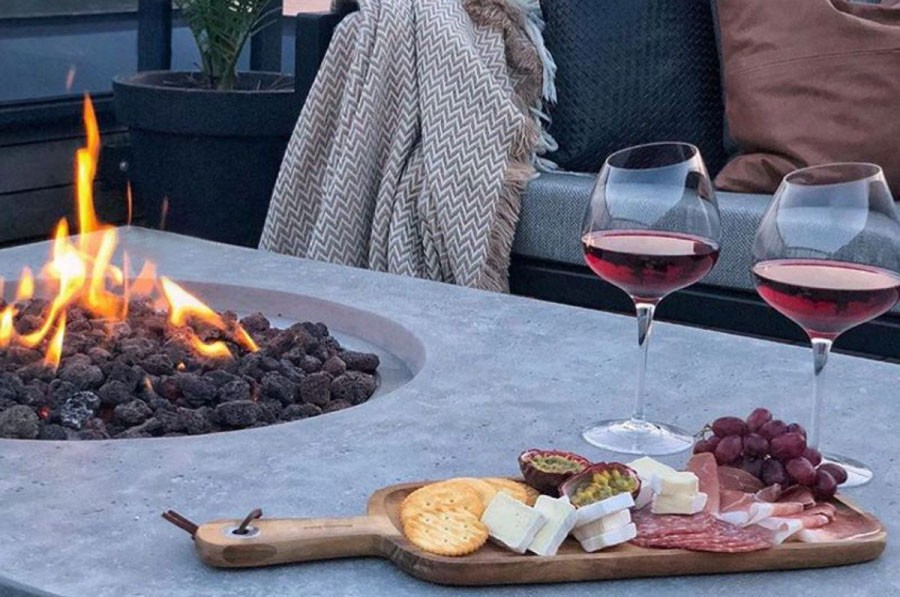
(700, 532)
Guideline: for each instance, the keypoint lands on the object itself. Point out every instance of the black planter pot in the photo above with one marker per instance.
(213, 155)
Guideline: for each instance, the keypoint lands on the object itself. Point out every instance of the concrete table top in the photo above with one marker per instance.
(499, 374)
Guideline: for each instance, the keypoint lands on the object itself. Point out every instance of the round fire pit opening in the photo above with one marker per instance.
(137, 380)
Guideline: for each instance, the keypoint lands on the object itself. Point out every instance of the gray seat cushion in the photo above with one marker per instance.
(553, 207)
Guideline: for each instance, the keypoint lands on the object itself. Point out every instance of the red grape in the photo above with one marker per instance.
(773, 472)
(813, 455)
(787, 446)
(703, 446)
(753, 466)
(772, 429)
(796, 428)
(755, 445)
(837, 472)
(758, 418)
(825, 486)
(725, 426)
(728, 449)
(801, 471)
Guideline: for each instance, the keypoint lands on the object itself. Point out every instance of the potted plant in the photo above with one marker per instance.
(207, 145)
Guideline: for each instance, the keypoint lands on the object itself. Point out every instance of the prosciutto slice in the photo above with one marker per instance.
(738, 480)
(707, 470)
(846, 526)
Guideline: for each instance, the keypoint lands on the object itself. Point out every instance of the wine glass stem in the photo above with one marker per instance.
(821, 348)
(645, 323)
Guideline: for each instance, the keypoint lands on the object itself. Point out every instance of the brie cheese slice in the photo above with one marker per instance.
(597, 510)
(609, 538)
(561, 516)
(678, 504)
(610, 522)
(511, 523)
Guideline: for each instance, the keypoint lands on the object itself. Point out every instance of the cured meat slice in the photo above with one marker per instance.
(738, 480)
(707, 470)
(798, 493)
(782, 528)
(847, 525)
(762, 510)
(700, 532)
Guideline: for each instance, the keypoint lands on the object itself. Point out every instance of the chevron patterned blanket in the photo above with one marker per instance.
(418, 137)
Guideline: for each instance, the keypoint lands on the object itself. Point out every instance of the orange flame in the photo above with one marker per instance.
(26, 285)
(82, 273)
(54, 349)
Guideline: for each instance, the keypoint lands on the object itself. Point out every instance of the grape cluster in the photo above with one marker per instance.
(772, 451)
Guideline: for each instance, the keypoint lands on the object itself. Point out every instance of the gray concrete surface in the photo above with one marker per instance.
(498, 374)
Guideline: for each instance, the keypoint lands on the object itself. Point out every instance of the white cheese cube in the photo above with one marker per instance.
(646, 467)
(678, 504)
(561, 516)
(610, 522)
(597, 510)
(511, 523)
(644, 496)
(609, 538)
(676, 483)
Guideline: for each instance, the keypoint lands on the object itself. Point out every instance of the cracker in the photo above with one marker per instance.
(514, 489)
(446, 533)
(443, 496)
(485, 490)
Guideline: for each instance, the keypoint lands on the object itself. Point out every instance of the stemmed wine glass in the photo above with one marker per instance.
(827, 256)
(652, 228)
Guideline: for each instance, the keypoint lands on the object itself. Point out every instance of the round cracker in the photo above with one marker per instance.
(443, 496)
(514, 489)
(447, 532)
(485, 490)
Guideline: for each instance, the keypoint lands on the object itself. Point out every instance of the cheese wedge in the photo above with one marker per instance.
(676, 483)
(597, 510)
(610, 522)
(647, 467)
(511, 523)
(645, 495)
(609, 538)
(561, 516)
(678, 504)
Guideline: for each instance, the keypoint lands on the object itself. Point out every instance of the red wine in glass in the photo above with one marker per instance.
(647, 264)
(826, 298)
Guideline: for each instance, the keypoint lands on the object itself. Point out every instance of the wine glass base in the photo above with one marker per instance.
(857, 472)
(638, 437)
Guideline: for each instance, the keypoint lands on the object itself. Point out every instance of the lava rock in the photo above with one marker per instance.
(19, 422)
(220, 377)
(335, 366)
(133, 413)
(11, 388)
(310, 364)
(354, 386)
(269, 411)
(78, 408)
(34, 394)
(94, 429)
(195, 389)
(81, 375)
(23, 355)
(295, 412)
(99, 355)
(195, 422)
(171, 421)
(255, 323)
(336, 405)
(115, 392)
(238, 413)
(158, 364)
(235, 391)
(118, 371)
(53, 432)
(316, 389)
(361, 361)
(278, 387)
(148, 428)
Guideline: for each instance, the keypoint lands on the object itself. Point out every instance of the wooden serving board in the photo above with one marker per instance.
(282, 541)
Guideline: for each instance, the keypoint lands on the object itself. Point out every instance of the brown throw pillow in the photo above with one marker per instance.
(809, 82)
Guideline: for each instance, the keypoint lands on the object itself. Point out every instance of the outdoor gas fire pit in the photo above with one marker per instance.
(89, 351)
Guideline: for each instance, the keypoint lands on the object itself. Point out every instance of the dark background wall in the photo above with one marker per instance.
(52, 51)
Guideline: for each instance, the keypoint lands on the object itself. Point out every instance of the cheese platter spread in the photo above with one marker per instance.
(569, 519)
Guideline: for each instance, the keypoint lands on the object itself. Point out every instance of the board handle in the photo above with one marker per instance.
(285, 540)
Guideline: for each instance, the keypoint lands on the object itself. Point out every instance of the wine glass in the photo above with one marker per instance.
(652, 228)
(827, 256)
